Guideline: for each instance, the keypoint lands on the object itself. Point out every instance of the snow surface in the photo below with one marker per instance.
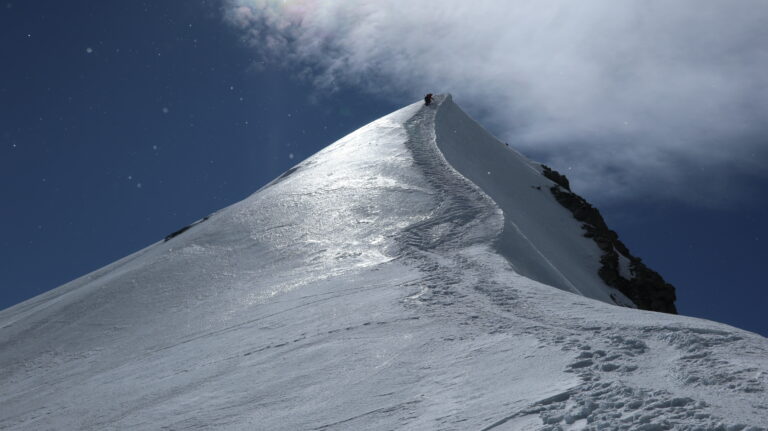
(399, 279)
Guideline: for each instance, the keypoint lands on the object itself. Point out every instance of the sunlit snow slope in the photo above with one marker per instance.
(398, 279)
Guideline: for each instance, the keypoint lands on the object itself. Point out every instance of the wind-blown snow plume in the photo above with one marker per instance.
(650, 96)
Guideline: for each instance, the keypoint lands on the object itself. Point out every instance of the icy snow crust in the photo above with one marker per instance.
(374, 286)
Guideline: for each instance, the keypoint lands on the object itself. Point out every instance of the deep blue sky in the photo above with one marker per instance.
(122, 121)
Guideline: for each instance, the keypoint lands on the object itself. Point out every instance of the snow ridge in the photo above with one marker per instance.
(619, 389)
(465, 215)
(387, 282)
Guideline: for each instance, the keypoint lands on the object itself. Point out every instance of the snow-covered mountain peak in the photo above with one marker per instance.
(401, 278)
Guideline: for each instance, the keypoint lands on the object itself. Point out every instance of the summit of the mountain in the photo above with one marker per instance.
(416, 274)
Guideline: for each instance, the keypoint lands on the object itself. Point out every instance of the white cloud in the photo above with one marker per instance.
(650, 97)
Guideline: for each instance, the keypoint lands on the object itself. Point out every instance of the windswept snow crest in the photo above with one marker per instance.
(401, 278)
(541, 239)
(550, 234)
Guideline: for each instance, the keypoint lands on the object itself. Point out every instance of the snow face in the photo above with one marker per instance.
(540, 239)
(387, 282)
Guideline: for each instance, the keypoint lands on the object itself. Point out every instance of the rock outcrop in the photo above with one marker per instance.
(645, 287)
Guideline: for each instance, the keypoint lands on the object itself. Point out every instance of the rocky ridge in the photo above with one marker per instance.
(644, 286)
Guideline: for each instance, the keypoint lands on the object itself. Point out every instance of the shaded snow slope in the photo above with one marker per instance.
(372, 286)
(541, 239)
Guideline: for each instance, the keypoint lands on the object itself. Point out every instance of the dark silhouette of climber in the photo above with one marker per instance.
(428, 99)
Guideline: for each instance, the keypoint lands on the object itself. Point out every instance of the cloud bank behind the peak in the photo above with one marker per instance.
(638, 96)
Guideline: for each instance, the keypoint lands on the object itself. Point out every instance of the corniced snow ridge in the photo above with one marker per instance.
(416, 275)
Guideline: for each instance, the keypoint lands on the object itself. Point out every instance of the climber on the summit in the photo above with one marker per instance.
(428, 99)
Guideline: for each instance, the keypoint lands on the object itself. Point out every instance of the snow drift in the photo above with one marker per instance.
(416, 274)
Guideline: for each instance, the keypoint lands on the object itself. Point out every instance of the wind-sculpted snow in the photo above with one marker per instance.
(380, 284)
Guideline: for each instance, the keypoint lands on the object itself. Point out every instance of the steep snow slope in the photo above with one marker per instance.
(373, 286)
(541, 239)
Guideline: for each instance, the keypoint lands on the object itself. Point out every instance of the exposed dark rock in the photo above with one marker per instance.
(647, 289)
(557, 177)
(184, 229)
(176, 233)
